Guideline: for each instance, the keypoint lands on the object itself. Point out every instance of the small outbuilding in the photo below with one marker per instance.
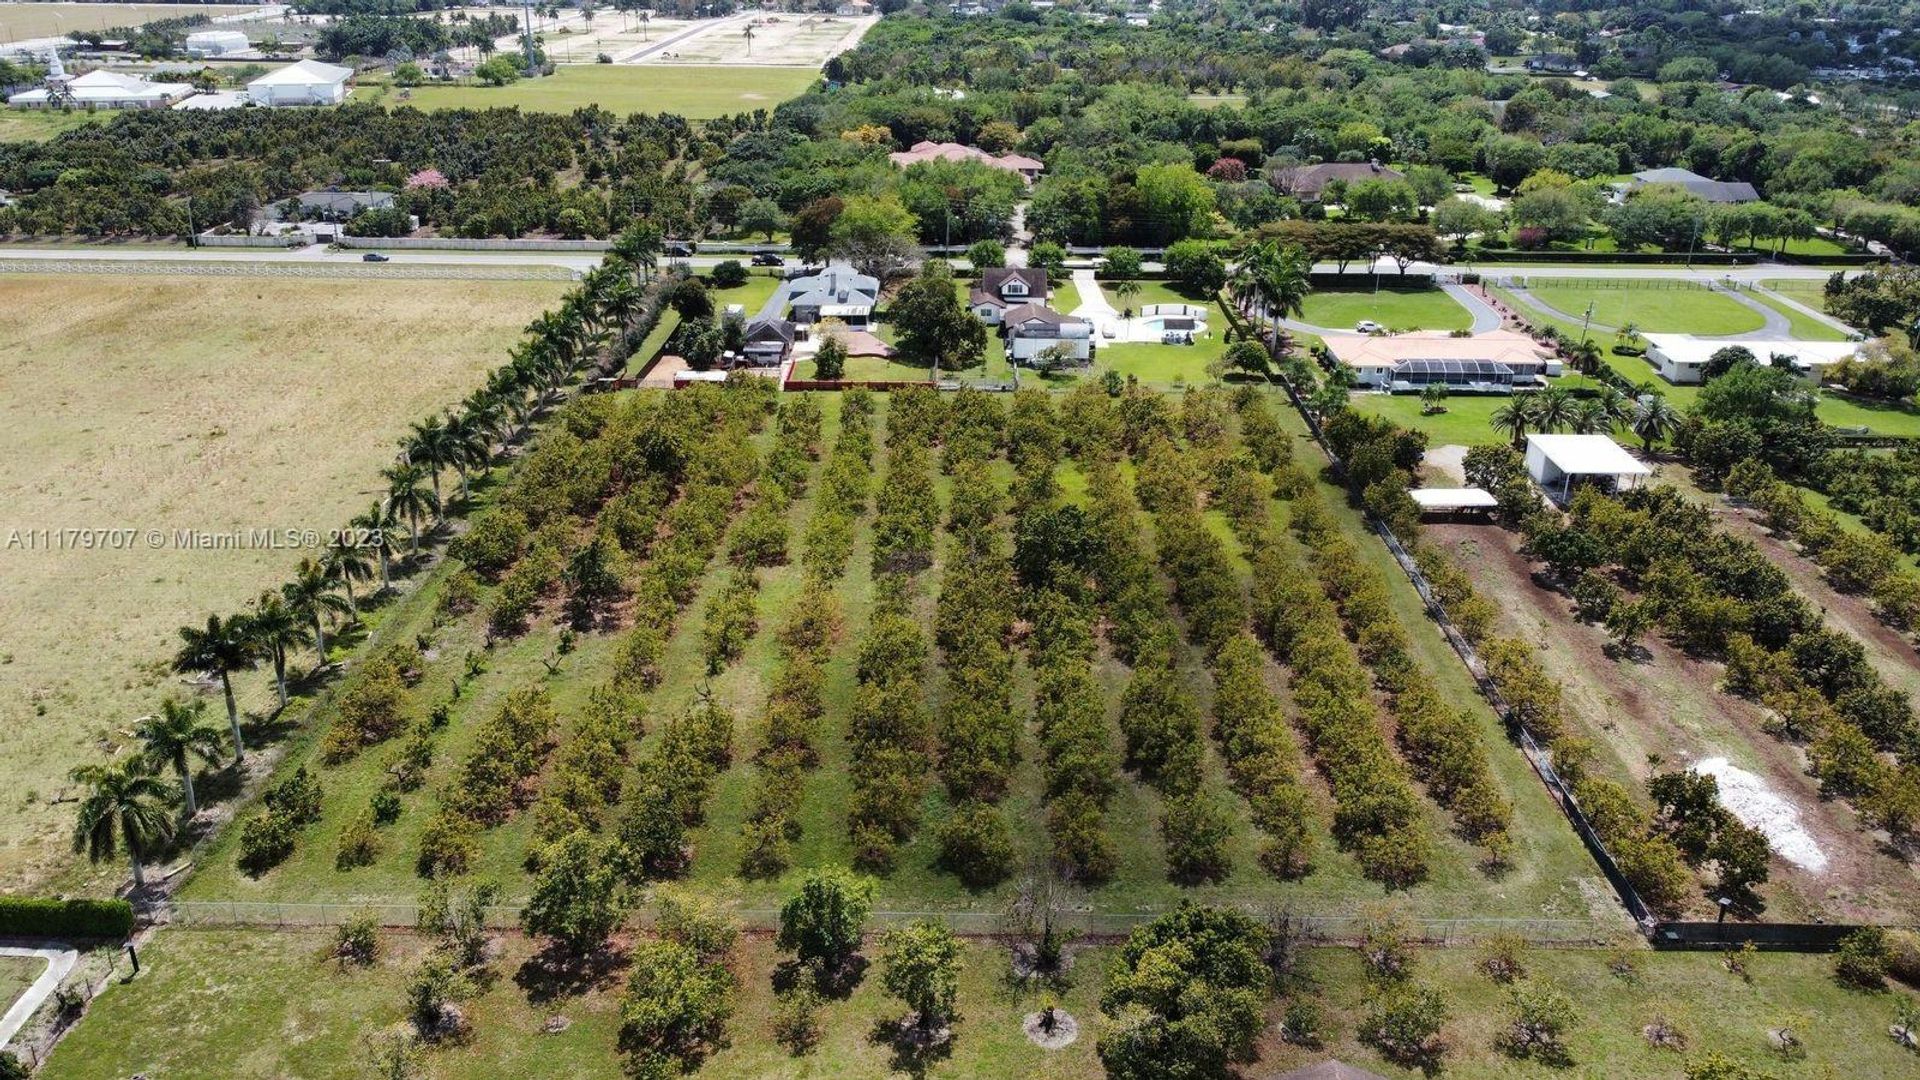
(1558, 462)
(204, 43)
(1682, 359)
(308, 82)
(1454, 503)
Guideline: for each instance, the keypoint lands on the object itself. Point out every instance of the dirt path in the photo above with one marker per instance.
(1664, 711)
(1890, 652)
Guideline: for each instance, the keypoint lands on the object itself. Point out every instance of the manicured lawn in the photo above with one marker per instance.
(149, 402)
(1653, 310)
(1879, 416)
(1806, 290)
(1214, 101)
(872, 367)
(697, 94)
(16, 974)
(1066, 296)
(259, 1004)
(1152, 362)
(1465, 422)
(1426, 309)
(1805, 327)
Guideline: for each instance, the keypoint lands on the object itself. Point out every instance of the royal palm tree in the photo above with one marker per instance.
(347, 562)
(1514, 418)
(277, 628)
(175, 737)
(1654, 420)
(1276, 279)
(310, 596)
(377, 526)
(1552, 408)
(1588, 417)
(124, 804)
(222, 648)
(469, 447)
(426, 444)
(407, 494)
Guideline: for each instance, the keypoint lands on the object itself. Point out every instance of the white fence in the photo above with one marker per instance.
(289, 268)
(451, 243)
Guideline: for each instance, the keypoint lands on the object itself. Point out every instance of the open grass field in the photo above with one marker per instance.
(1653, 310)
(193, 403)
(1426, 309)
(1808, 291)
(35, 20)
(207, 996)
(35, 125)
(619, 88)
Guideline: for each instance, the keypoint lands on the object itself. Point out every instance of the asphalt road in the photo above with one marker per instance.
(581, 261)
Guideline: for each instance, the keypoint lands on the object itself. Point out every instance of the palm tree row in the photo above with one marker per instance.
(1274, 280)
(127, 802)
(1646, 413)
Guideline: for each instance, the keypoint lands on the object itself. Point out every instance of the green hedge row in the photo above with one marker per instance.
(38, 916)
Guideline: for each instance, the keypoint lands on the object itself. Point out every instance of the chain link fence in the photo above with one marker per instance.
(1342, 927)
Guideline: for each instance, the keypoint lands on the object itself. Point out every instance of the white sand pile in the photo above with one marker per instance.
(1748, 798)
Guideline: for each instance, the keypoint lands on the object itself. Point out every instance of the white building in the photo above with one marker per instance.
(308, 82)
(101, 89)
(1557, 462)
(1032, 329)
(1681, 359)
(216, 43)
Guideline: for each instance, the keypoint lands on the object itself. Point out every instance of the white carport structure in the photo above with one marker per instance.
(1556, 461)
(1452, 501)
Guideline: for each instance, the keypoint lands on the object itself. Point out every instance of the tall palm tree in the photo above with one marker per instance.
(1654, 420)
(346, 562)
(468, 447)
(1278, 280)
(1552, 408)
(377, 526)
(1514, 418)
(175, 737)
(1588, 417)
(222, 648)
(124, 804)
(277, 628)
(408, 495)
(310, 595)
(426, 444)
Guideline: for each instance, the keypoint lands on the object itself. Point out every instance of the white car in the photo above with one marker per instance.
(1368, 326)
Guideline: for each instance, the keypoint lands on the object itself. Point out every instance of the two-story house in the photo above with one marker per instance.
(1005, 287)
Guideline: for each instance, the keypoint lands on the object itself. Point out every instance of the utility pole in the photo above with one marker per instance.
(1586, 321)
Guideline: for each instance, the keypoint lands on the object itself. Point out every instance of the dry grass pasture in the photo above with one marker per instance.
(31, 20)
(194, 403)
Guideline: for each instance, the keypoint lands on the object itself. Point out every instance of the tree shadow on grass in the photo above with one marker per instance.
(836, 982)
(913, 1050)
(557, 972)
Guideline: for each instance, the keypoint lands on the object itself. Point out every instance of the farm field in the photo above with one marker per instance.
(1653, 310)
(1426, 309)
(241, 983)
(193, 403)
(1663, 710)
(1551, 876)
(619, 88)
(36, 20)
(805, 41)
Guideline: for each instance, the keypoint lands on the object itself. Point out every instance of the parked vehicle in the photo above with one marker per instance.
(1368, 326)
